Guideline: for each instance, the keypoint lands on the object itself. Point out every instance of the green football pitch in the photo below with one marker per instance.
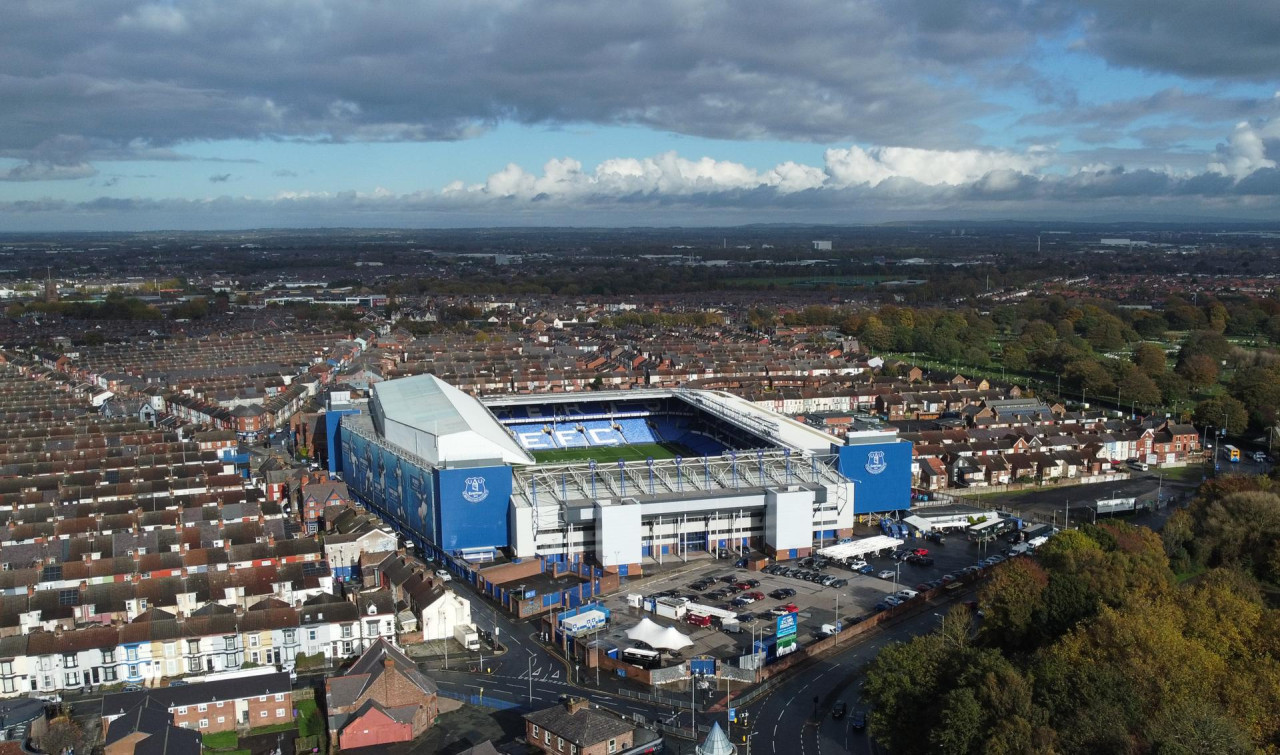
(611, 454)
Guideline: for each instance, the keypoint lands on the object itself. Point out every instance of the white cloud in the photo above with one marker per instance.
(856, 166)
(1244, 151)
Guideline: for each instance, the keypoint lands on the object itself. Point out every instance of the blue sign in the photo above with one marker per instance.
(786, 625)
(881, 475)
(733, 714)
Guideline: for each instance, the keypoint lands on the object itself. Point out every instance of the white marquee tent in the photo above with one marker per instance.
(657, 636)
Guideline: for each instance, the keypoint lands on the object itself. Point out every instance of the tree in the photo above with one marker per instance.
(1138, 387)
(1223, 412)
(1149, 358)
(1200, 370)
(1010, 602)
(1090, 376)
(63, 735)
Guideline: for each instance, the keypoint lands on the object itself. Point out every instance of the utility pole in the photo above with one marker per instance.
(530, 679)
(1066, 516)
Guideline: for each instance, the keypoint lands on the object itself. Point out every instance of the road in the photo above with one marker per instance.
(788, 720)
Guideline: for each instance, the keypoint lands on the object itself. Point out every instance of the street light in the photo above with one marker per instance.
(530, 678)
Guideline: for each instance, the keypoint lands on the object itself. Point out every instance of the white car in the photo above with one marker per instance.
(856, 565)
(886, 574)
(907, 594)
(443, 575)
(892, 600)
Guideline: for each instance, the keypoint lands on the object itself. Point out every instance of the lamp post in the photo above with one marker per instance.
(530, 678)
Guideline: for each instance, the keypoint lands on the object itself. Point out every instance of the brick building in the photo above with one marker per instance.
(247, 702)
(574, 728)
(383, 698)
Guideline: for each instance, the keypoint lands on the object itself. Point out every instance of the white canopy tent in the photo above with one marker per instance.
(657, 636)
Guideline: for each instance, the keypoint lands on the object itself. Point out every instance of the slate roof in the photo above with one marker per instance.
(583, 727)
(163, 738)
(195, 694)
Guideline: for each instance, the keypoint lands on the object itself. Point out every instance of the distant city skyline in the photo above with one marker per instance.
(124, 115)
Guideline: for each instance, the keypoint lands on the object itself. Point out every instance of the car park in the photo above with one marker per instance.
(936, 538)
(782, 610)
(744, 600)
(841, 582)
(948, 579)
(782, 592)
(746, 618)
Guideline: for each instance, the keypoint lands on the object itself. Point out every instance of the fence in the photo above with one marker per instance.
(1013, 487)
(668, 700)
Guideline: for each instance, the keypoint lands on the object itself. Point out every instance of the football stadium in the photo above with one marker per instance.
(623, 478)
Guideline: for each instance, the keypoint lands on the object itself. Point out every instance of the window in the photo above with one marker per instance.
(170, 648)
(346, 630)
(560, 744)
(263, 714)
(535, 731)
(220, 705)
(193, 665)
(546, 737)
(109, 674)
(254, 656)
(290, 635)
(230, 642)
(253, 640)
(279, 712)
(73, 679)
(109, 656)
(70, 660)
(373, 627)
(132, 654)
(193, 647)
(8, 685)
(222, 719)
(202, 707)
(204, 723)
(279, 697)
(613, 746)
(311, 635)
(182, 711)
(346, 648)
(6, 667)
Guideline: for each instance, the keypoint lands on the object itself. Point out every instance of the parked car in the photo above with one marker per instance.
(857, 564)
(936, 538)
(906, 594)
(744, 600)
(886, 574)
(443, 575)
(751, 582)
(892, 600)
(920, 552)
(755, 595)
(828, 580)
(782, 592)
(841, 582)
(948, 579)
(866, 569)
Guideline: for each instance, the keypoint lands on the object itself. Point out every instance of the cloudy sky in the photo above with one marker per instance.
(249, 113)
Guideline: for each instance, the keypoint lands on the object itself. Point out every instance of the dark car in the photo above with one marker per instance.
(751, 582)
(936, 538)
(729, 579)
(923, 561)
(839, 709)
(858, 721)
(741, 563)
(867, 569)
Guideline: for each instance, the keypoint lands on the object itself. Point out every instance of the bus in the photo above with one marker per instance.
(643, 658)
(1231, 452)
(991, 528)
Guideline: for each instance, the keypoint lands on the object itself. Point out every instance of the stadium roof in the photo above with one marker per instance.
(427, 416)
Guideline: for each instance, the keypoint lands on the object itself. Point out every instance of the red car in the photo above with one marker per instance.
(743, 585)
(920, 552)
(756, 594)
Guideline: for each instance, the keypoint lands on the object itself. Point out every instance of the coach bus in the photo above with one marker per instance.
(991, 528)
(1231, 452)
(643, 658)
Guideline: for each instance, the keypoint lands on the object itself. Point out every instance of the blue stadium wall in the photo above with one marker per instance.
(881, 473)
(445, 509)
